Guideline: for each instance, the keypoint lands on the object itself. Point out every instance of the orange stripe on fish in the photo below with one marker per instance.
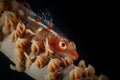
(36, 21)
(49, 26)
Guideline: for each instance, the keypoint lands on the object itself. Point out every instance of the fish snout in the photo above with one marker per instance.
(73, 54)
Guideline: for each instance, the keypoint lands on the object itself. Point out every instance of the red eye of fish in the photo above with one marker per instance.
(62, 45)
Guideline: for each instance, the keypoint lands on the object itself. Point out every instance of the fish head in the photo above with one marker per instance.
(63, 47)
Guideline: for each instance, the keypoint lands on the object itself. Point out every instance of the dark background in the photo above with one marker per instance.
(85, 23)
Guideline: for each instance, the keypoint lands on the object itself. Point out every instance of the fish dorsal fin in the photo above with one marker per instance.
(45, 15)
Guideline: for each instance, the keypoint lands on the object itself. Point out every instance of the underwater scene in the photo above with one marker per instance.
(53, 40)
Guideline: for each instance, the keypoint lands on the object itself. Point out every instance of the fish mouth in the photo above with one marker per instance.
(73, 55)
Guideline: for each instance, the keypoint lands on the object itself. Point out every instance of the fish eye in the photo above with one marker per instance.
(62, 45)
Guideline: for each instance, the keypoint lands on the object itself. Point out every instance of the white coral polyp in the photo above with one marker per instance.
(8, 22)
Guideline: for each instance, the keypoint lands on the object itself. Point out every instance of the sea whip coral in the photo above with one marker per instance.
(38, 50)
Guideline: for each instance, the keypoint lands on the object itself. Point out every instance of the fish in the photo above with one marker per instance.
(36, 46)
(45, 31)
(59, 44)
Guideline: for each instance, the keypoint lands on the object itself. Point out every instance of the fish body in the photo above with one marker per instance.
(43, 33)
(59, 44)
